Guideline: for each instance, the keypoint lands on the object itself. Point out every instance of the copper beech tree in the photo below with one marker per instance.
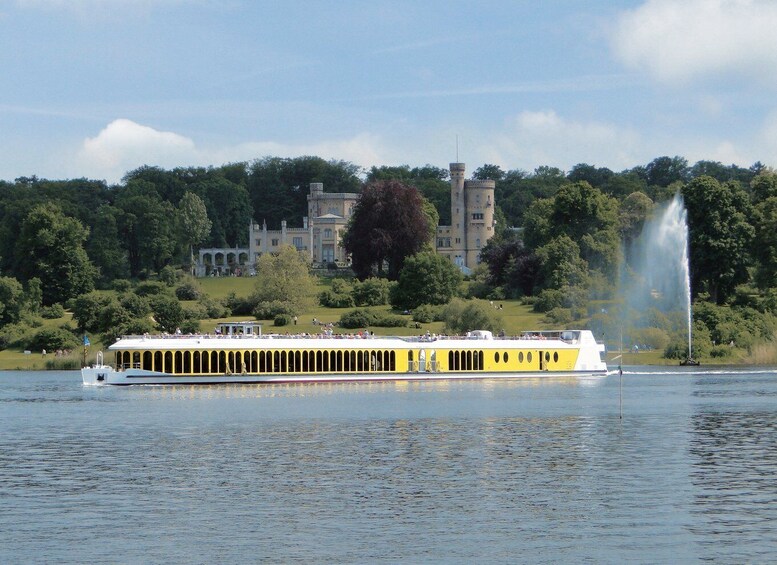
(389, 223)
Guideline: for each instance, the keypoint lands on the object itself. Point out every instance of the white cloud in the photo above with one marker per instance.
(124, 145)
(696, 39)
(545, 138)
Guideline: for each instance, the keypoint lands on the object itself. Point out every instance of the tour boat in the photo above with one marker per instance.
(239, 353)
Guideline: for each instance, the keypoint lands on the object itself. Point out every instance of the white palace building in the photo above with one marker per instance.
(472, 225)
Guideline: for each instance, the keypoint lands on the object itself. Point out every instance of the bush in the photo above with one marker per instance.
(559, 316)
(269, 310)
(190, 326)
(389, 321)
(427, 313)
(212, 309)
(170, 275)
(188, 290)
(358, 318)
(372, 292)
(136, 305)
(52, 339)
(282, 320)
(14, 335)
(52, 312)
(150, 288)
(87, 310)
(122, 285)
(240, 306)
(462, 316)
(548, 299)
(331, 300)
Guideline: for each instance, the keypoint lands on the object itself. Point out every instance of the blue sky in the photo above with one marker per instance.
(98, 87)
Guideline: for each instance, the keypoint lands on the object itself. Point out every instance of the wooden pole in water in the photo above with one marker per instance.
(620, 379)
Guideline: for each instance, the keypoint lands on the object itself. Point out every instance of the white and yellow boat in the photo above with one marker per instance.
(239, 353)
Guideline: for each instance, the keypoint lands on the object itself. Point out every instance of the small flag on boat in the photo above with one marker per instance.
(86, 341)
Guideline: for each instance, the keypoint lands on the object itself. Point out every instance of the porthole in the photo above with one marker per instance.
(547, 356)
(496, 357)
(555, 356)
(505, 357)
(520, 356)
(528, 357)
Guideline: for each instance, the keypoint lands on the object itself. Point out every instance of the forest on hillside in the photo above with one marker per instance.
(562, 237)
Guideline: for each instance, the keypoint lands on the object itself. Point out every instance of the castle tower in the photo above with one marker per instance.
(472, 216)
(480, 217)
(458, 215)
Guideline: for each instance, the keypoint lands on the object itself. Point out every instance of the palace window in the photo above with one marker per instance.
(274, 243)
(477, 216)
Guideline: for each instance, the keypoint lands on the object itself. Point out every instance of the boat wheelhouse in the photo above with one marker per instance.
(239, 353)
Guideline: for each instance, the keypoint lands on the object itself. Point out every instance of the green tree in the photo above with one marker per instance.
(462, 316)
(51, 247)
(561, 265)
(634, 210)
(146, 228)
(388, 224)
(765, 224)
(105, 246)
(278, 187)
(284, 277)
(11, 300)
(590, 217)
(720, 236)
(426, 278)
(195, 225)
(168, 312)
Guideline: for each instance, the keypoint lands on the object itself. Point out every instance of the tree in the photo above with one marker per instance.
(195, 224)
(488, 172)
(11, 300)
(426, 278)
(765, 223)
(388, 224)
(168, 312)
(284, 277)
(663, 171)
(584, 214)
(561, 265)
(105, 246)
(146, 228)
(462, 316)
(511, 265)
(720, 236)
(51, 247)
(634, 210)
(278, 187)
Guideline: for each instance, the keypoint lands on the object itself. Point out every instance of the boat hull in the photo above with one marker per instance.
(96, 376)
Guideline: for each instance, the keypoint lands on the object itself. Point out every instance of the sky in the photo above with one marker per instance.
(96, 88)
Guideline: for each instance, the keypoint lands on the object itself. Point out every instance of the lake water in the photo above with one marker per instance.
(463, 472)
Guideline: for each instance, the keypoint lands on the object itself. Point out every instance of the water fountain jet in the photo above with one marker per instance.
(663, 265)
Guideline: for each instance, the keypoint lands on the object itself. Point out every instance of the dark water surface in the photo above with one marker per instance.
(462, 472)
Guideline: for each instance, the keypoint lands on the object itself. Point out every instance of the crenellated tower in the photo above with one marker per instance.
(472, 217)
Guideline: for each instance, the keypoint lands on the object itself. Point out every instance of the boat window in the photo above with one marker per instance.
(555, 356)
(547, 356)
(505, 357)
(496, 357)
(528, 357)
(520, 356)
